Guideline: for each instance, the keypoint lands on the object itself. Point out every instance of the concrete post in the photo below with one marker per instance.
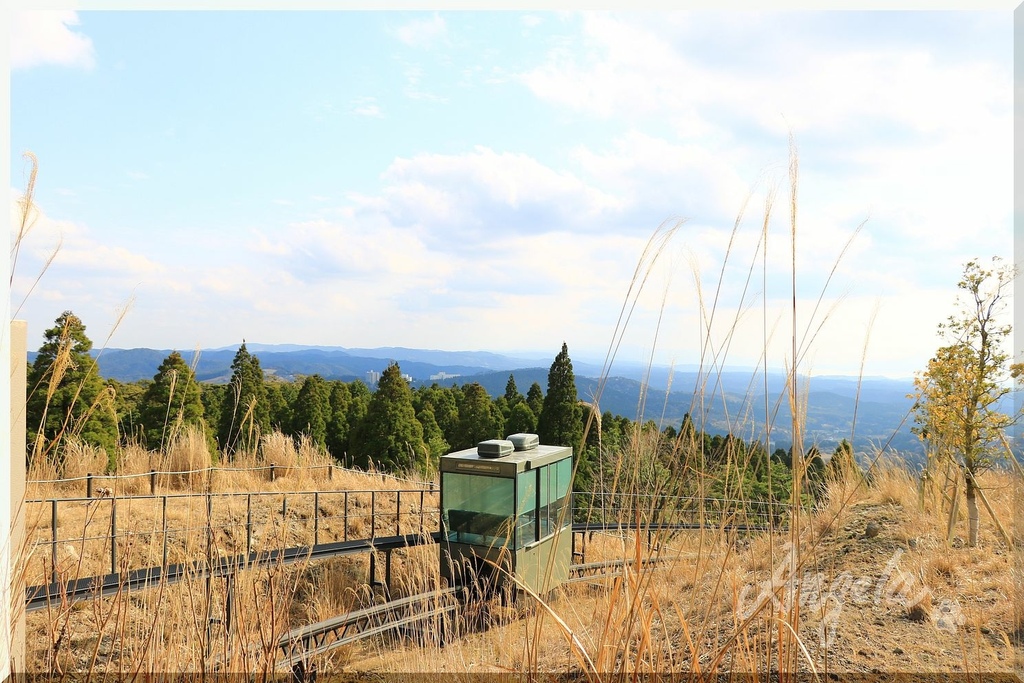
(17, 469)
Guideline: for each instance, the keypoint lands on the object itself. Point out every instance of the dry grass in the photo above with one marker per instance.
(693, 612)
(687, 616)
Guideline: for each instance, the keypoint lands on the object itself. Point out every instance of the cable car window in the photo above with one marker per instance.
(546, 497)
(563, 475)
(477, 509)
(526, 528)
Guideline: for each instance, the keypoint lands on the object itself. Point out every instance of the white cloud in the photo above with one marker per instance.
(424, 33)
(639, 67)
(413, 89)
(45, 37)
(484, 192)
(366, 106)
(90, 277)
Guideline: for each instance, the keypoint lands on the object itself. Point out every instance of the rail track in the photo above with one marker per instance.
(299, 646)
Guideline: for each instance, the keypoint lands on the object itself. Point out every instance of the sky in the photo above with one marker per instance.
(490, 180)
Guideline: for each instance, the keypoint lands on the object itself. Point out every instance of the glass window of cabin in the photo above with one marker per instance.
(545, 499)
(477, 509)
(564, 469)
(526, 495)
(563, 476)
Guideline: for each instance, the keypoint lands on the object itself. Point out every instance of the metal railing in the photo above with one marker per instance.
(684, 511)
(239, 524)
(132, 529)
(159, 477)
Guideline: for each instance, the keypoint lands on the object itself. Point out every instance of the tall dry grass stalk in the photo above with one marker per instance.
(187, 459)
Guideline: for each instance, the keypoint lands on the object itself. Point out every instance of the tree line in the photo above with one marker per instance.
(393, 427)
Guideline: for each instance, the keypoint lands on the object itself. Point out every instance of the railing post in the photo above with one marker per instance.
(248, 528)
(421, 512)
(330, 472)
(163, 523)
(113, 535)
(273, 473)
(345, 518)
(88, 485)
(373, 514)
(152, 482)
(316, 518)
(53, 538)
(209, 532)
(398, 513)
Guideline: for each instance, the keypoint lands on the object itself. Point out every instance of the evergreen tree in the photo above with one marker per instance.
(560, 422)
(66, 396)
(521, 419)
(390, 435)
(245, 415)
(512, 395)
(337, 425)
(535, 398)
(842, 461)
(213, 397)
(172, 402)
(127, 404)
(313, 410)
(281, 397)
(444, 403)
(433, 437)
(477, 418)
(359, 402)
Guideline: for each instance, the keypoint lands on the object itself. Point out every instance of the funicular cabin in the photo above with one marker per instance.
(506, 503)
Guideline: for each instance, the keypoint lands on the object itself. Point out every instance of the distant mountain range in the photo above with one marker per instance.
(733, 401)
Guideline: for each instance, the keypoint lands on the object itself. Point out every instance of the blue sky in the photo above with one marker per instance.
(488, 180)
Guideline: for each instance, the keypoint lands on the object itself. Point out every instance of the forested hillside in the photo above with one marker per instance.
(731, 402)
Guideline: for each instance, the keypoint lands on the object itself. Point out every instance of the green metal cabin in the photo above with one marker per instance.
(507, 502)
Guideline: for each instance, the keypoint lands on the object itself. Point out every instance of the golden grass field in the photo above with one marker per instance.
(898, 600)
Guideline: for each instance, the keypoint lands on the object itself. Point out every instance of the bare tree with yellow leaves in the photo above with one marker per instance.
(959, 409)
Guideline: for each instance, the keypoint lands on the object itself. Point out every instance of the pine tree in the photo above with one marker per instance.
(521, 420)
(512, 395)
(535, 398)
(312, 410)
(433, 437)
(478, 420)
(281, 398)
(66, 396)
(127, 404)
(337, 425)
(389, 435)
(172, 402)
(245, 415)
(561, 420)
(443, 402)
(359, 402)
